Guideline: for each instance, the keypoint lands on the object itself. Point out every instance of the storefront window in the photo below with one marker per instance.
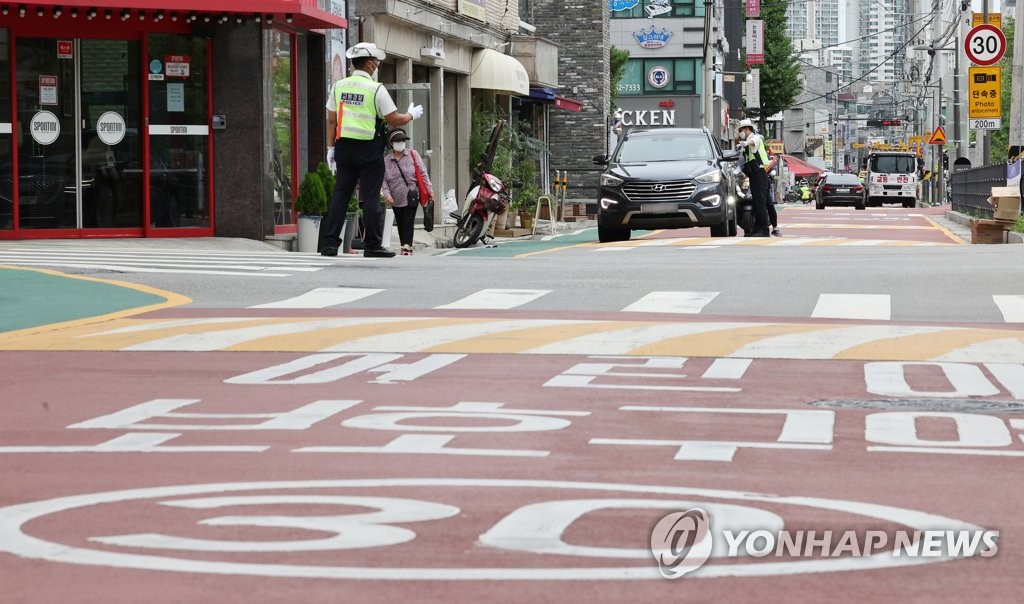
(658, 8)
(278, 70)
(179, 132)
(6, 158)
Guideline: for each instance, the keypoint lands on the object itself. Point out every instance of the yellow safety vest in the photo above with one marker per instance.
(357, 107)
(760, 152)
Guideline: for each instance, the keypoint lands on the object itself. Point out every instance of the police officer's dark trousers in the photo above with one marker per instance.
(758, 191)
(363, 162)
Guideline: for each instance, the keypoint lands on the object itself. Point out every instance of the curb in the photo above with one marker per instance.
(965, 220)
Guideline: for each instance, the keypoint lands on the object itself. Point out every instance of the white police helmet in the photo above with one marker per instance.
(365, 49)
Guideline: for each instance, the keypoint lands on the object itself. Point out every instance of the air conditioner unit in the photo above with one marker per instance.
(434, 53)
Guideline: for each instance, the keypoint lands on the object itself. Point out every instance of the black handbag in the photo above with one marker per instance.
(428, 216)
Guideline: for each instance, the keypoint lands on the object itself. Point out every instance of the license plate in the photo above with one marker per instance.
(842, 190)
(659, 208)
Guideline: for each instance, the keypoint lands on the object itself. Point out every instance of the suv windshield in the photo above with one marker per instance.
(664, 147)
(893, 164)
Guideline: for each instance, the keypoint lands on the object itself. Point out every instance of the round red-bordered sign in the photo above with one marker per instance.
(985, 44)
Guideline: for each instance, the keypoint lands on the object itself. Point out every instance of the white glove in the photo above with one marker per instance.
(416, 111)
(330, 158)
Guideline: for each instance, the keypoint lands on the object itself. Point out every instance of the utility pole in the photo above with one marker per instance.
(707, 107)
(956, 89)
(983, 142)
(1017, 74)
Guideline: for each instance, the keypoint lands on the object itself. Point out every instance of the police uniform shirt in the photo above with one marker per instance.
(382, 100)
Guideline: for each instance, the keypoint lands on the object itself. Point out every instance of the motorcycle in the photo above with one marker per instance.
(485, 200)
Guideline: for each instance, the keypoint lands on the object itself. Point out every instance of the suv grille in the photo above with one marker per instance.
(670, 190)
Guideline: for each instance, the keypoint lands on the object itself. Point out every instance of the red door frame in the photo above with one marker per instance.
(44, 27)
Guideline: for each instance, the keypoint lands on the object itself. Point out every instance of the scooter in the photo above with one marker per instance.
(485, 200)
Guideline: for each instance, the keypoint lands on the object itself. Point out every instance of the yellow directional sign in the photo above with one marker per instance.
(985, 92)
(993, 18)
(917, 140)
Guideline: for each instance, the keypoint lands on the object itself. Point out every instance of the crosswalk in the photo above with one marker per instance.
(168, 261)
(830, 305)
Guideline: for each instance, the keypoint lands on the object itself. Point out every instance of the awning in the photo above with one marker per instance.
(568, 104)
(799, 167)
(302, 14)
(492, 70)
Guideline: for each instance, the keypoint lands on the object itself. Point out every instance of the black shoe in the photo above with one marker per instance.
(379, 252)
(329, 251)
(760, 234)
(776, 233)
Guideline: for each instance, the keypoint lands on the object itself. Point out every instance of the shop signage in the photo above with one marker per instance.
(65, 49)
(658, 7)
(653, 38)
(44, 127)
(47, 90)
(179, 130)
(649, 118)
(474, 8)
(110, 128)
(620, 5)
(755, 41)
(177, 66)
(776, 147)
(753, 8)
(658, 76)
(155, 66)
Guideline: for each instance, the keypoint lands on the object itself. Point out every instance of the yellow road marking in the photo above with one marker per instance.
(171, 300)
(325, 338)
(519, 340)
(721, 342)
(926, 345)
(946, 231)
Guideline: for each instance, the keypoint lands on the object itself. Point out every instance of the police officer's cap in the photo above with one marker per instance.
(746, 123)
(365, 49)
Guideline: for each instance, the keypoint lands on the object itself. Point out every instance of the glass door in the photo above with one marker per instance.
(111, 115)
(179, 134)
(77, 125)
(47, 136)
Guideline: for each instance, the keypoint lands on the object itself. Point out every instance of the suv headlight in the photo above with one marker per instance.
(710, 177)
(608, 180)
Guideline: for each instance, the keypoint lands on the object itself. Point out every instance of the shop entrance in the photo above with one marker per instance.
(78, 140)
(76, 156)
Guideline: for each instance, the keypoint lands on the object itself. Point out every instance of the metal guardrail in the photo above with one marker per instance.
(971, 189)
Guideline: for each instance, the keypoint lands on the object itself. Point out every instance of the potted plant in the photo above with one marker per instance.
(311, 205)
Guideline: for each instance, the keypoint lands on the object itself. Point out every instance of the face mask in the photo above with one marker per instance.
(399, 146)
(743, 135)
(376, 71)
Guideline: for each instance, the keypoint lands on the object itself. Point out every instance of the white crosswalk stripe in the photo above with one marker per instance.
(496, 299)
(853, 306)
(1012, 308)
(323, 297)
(206, 262)
(673, 302)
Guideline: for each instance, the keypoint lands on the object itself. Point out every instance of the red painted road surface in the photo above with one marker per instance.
(120, 484)
(885, 224)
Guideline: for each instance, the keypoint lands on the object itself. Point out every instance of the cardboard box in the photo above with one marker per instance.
(1006, 201)
(987, 231)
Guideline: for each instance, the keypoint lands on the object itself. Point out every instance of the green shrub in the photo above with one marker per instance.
(327, 177)
(1018, 227)
(312, 200)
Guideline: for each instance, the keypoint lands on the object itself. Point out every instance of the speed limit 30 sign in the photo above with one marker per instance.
(985, 44)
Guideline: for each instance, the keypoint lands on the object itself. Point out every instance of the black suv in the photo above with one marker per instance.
(666, 178)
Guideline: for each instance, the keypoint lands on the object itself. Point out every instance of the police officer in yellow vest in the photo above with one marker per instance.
(357, 108)
(755, 158)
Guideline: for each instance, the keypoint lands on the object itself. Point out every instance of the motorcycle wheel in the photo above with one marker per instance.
(468, 231)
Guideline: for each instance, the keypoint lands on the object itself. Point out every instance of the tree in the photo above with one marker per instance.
(999, 140)
(617, 60)
(780, 83)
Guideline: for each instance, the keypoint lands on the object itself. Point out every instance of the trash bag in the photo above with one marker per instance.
(450, 206)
